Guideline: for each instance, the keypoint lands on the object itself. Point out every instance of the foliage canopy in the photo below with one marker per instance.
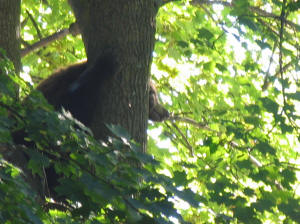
(229, 73)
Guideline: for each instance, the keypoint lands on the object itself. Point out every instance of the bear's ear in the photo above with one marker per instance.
(156, 111)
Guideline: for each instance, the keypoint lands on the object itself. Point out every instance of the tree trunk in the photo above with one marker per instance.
(10, 30)
(10, 41)
(128, 28)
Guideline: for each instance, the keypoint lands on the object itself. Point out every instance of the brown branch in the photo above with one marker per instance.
(282, 24)
(277, 74)
(24, 22)
(34, 24)
(73, 29)
(267, 25)
(190, 121)
(187, 144)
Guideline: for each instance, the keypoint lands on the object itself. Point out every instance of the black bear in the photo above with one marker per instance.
(75, 86)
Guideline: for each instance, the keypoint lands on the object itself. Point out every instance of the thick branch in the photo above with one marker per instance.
(73, 29)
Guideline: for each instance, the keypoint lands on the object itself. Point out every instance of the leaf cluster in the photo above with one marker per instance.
(99, 183)
(231, 138)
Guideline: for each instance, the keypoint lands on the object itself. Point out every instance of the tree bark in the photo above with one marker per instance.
(10, 30)
(128, 28)
(10, 41)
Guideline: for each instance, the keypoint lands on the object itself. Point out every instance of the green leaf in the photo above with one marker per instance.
(295, 96)
(119, 131)
(221, 67)
(270, 105)
(180, 178)
(238, 132)
(183, 44)
(205, 34)
(244, 164)
(37, 162)
(292, 209)
(252, 120)
(265, 147)
(293, 6)
(289, 178)
(286, 128)
(190, 197)
(253, 109)
(209, 66)
(248, 191)
(263, 45)
(248, 22)
(98, 159)
(263, 205)
(97, 190)
(213, 147)
(245, 214)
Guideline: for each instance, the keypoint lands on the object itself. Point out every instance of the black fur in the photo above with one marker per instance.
(76, 87)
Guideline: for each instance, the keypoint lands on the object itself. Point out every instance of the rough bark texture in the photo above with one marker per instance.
(10, 30)
(128, 29)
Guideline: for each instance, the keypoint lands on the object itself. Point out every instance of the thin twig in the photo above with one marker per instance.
(34, 24)
(187, 144)
(190, 121)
